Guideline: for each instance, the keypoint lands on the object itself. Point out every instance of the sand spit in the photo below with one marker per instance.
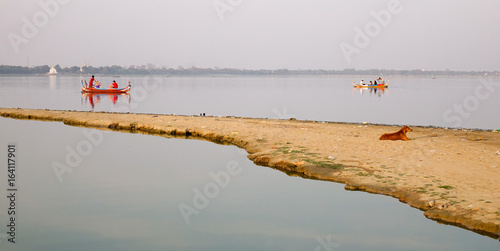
(452, 175)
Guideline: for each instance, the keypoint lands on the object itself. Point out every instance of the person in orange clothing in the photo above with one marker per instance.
(114, 85)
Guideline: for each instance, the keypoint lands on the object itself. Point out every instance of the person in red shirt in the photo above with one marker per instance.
(91, 81)
(114, 85)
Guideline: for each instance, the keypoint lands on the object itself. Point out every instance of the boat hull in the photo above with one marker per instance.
(370, 86)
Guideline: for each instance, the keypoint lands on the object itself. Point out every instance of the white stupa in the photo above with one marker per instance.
(52, 71)
(84, 65)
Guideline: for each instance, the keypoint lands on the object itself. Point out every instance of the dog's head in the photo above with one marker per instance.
(407, 129)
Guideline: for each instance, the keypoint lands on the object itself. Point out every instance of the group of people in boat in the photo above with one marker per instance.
(96, 84)
(378, 81)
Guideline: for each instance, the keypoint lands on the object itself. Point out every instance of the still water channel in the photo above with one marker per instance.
(126, 192)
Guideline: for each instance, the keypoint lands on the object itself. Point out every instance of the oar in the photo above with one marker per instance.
(81, 81)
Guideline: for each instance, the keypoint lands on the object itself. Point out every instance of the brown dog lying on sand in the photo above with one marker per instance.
(401, 134)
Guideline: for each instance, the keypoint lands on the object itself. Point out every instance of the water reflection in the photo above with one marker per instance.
(379, 92)
(53, 82)
(95, 99)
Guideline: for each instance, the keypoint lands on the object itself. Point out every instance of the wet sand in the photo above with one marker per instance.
(452, 175)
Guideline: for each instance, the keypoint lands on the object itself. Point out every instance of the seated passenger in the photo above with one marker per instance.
(114, 85)
(380, 81)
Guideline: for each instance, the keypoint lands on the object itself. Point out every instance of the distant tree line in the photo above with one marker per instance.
(151, 69)
(9, 69)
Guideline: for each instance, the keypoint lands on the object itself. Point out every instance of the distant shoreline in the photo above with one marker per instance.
(154, 70)
(451, 175)
(255, 75)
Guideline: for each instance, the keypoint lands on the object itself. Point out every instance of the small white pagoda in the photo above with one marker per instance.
(52, 71)
(84, 66)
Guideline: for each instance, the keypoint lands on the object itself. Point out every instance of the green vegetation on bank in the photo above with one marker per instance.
(154, 70)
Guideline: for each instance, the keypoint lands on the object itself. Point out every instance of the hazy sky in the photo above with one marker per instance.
(253, 34)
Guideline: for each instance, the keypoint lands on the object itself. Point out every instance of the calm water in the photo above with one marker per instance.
(448, 102)
(125, 193)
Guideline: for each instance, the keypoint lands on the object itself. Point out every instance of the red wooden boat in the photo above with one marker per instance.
(105, 90)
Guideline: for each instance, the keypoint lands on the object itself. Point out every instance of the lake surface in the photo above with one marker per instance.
(124, 192)
(466, 102)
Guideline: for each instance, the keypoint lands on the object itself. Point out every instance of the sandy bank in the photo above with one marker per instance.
(452, 175)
